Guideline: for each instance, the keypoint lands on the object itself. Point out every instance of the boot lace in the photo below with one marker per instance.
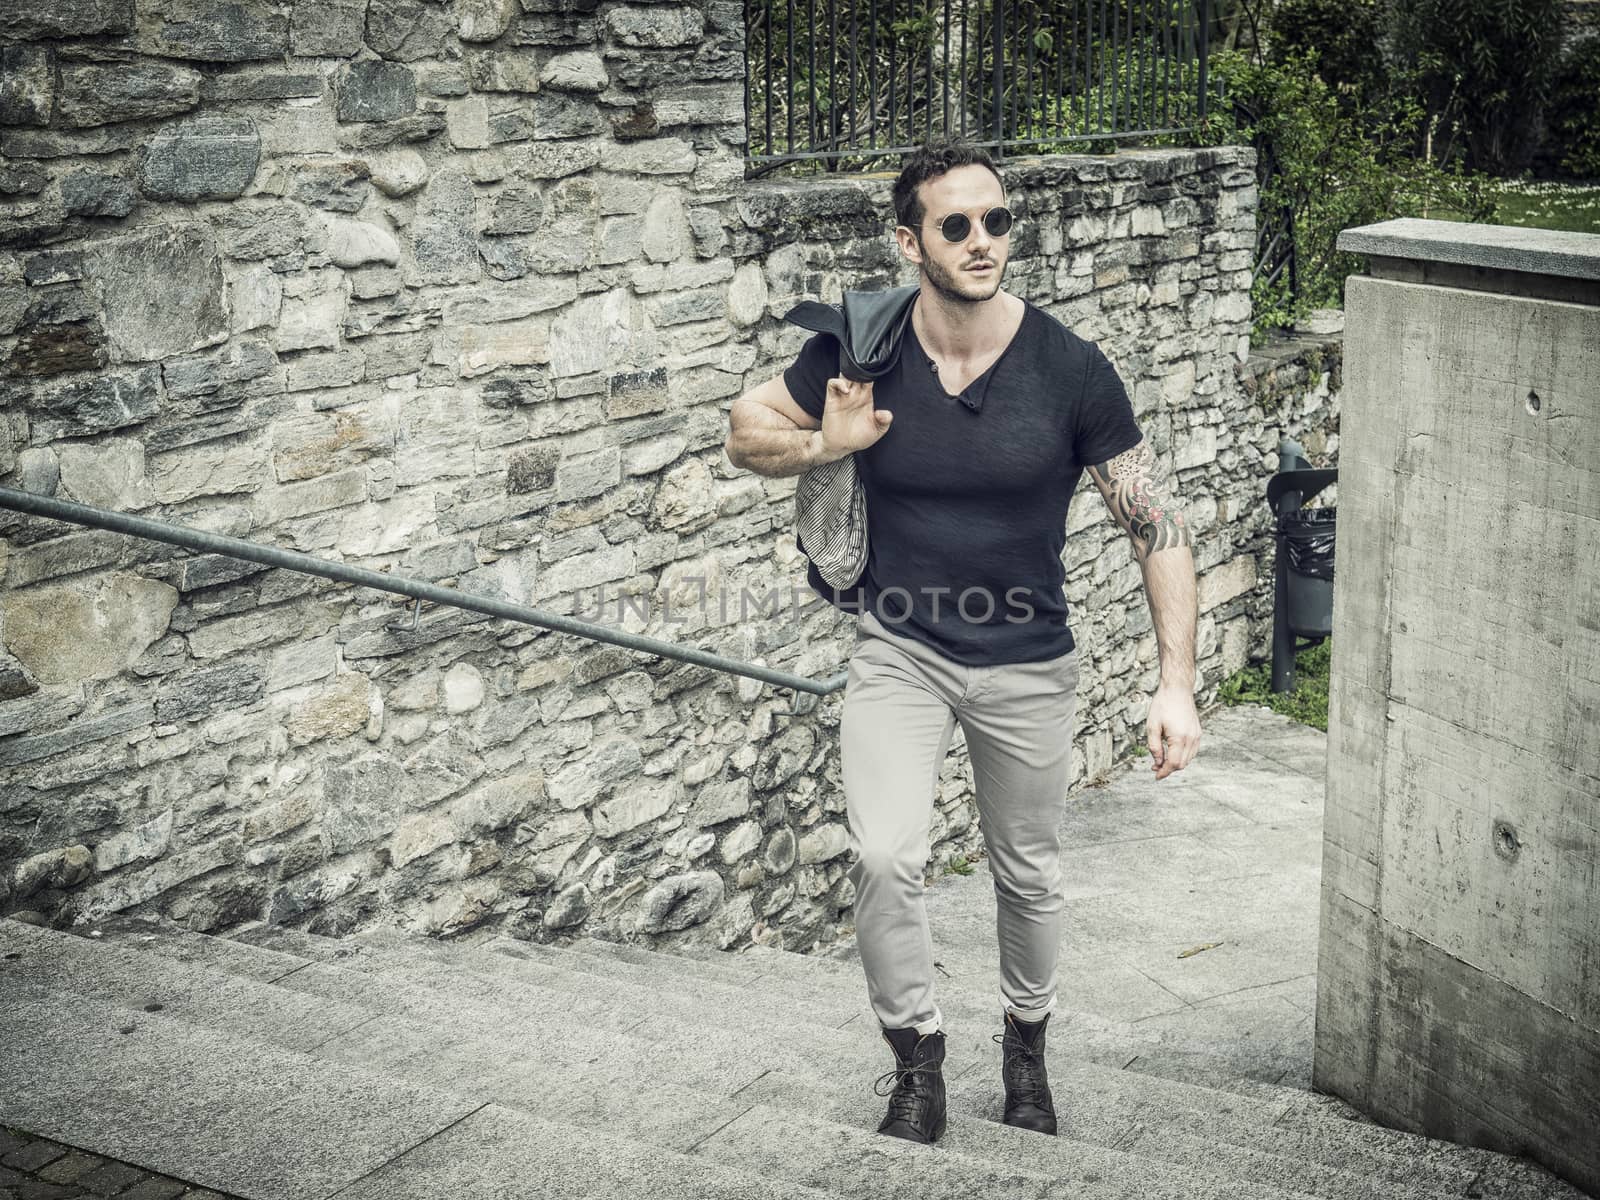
(1023, 1068)
(908, 1099)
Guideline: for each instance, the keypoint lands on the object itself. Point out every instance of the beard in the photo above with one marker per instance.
(956, 290)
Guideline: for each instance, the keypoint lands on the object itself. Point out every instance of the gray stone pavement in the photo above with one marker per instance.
(1192, 901)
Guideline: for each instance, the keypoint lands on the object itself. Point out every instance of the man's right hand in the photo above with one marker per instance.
(849, 422)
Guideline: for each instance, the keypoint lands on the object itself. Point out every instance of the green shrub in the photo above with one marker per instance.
(1484, 69)
(1572, 117)
(1344, 34)
(1341, 162)
(1306, 702)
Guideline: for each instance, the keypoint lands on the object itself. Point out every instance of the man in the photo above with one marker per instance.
(969, 455)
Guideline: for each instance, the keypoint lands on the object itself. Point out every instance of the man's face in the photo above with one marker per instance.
(955, 268)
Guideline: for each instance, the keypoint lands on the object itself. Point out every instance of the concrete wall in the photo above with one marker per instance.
(1459, 971)
(464, 291)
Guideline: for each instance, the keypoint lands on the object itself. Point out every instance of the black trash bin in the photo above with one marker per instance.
(1302, 604)
(1308, 536)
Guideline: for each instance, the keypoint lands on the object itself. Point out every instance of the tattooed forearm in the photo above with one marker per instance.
(1141, 498)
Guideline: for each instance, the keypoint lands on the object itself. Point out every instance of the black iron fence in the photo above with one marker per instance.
(844, 82)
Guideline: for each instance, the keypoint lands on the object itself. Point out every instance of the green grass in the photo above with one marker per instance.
(1570, 207)
(1306, 703)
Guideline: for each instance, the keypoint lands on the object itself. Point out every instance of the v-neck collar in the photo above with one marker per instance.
(973, 394)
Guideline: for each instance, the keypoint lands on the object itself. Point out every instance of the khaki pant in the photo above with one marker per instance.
(902, 702)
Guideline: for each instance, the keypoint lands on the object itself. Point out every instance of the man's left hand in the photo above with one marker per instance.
(1172, 730)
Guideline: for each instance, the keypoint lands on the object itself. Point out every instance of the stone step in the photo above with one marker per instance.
(671, 1116)
(1319, 1116)
(736, 971)
(1119, 1043)
(1117, 1114)
(817, 1151)
(1414, 1162)
(837, 1051)
(266, 1123)
(624, 982)
(661, 1106)
(1096, 1038)
(480, 1070)
(617, 1095)
(120, 969)
(1206, 1170)
(971, 999)
(557, 1029)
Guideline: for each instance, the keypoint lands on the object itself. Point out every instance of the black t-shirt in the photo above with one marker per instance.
(967, 495)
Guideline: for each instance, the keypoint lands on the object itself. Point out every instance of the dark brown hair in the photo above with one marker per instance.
(929, 161)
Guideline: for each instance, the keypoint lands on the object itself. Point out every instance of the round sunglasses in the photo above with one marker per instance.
(996, 222)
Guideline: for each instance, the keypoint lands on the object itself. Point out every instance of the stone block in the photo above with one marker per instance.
(339, 490)
(111, 401)
(509, 70)
(701, 104)
(253, 232)
(228, 635)
(225, 688)
(102, 93)
(67, 18)
(635, 805)
(314, 444)
(408, 30)
(27, 85)
(532, 470)
(240, 370)
(330, 28)
(575, 71)
(65, 867)
(53, 349)
(341, 185)
(483, 20)
(342, 709)
(681, 901)
(107, 473)
(163, 292)
(92, 194)
(356, 243)
(204, 158)
(328, 369)
(580, 571)
(444, 243)
(566, 115)
(86, 630)
(374, 90)
(823, 843)
(207, 31)
(659, 26)
(263, 85)
(313, 310)
(22, 179)
(515, 210)
(478, 349)
(211, 469)
(397, 172)
(1223, 583)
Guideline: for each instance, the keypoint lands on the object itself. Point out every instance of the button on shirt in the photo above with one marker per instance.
(967, 495)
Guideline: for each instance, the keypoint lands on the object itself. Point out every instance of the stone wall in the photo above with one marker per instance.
(463, 291)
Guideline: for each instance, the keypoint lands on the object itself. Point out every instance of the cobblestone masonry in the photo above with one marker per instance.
(35, 1168)
(464, 291)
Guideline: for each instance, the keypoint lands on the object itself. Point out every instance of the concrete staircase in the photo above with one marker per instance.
(275, 1064)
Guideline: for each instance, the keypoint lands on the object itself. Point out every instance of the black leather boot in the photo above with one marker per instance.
(916, 1104)
(1028, 1101)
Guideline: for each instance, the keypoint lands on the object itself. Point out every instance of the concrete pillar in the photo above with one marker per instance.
(1458, 990)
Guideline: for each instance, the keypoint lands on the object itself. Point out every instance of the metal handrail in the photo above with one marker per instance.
(309, 564)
